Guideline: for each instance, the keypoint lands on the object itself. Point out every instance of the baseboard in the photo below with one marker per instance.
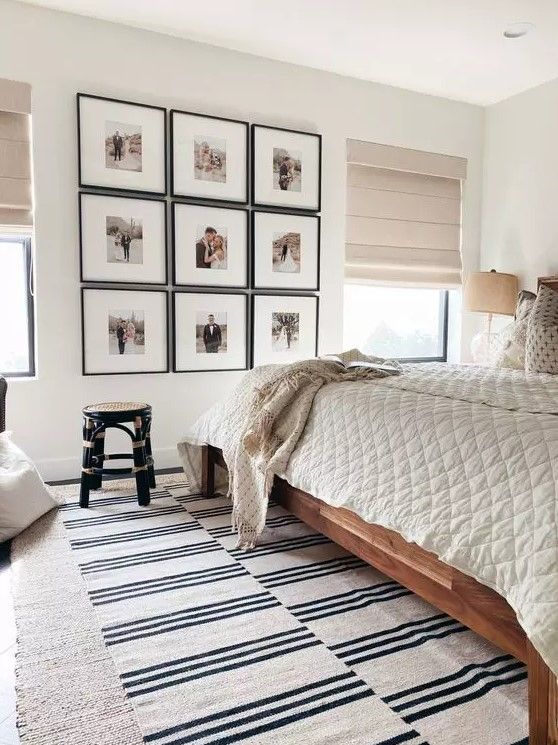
(158, 472)
(68, 469)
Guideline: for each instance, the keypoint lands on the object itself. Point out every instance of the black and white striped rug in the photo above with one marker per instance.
(296, 641)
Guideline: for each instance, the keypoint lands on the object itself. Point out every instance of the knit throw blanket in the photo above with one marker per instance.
(275, 420)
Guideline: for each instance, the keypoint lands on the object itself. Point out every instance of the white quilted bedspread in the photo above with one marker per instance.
(460, 459)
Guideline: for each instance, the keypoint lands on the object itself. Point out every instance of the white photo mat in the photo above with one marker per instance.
(189, 220)
(192, 309)
(266, 349)
(97, 117)
(100, 357)
(306, 148)
(303, 231)
(97, 246)
(188, 130)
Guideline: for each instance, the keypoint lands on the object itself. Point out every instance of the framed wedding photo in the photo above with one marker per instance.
(284, 328)
(124, 331)
(122, 145)
(209, 158)
(285, 251)
(286, 168)
(210, 331)
(210, 246)
(122, 239)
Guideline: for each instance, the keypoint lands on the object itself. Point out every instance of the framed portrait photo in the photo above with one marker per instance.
(285, 251)
(284, 328)
(122, 145)
(122, 239)
(124, 331)
(210, 245)
(286, 168)
(210, 331)
(209, 157)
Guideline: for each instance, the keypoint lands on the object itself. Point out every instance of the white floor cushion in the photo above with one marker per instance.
(23, 494)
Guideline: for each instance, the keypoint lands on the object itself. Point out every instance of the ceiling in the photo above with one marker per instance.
(451, 48)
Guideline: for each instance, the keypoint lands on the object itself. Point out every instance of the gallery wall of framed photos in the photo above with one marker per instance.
(199, 240)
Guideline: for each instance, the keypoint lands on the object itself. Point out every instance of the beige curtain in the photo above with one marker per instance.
(403, 215)
(16, 197)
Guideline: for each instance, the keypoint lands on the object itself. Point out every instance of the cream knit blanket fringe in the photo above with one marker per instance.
(274, 423)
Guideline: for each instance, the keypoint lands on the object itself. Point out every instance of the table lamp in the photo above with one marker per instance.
(493, 293)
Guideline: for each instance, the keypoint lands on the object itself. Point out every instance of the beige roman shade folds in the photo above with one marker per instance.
(403, 215)
(16, 201)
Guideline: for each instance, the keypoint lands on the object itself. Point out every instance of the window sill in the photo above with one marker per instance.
(11, 378)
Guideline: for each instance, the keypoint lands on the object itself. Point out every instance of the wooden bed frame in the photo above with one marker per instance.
(460, 596)
(476, 606)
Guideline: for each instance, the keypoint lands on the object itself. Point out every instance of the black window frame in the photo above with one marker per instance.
(444, 326)
(26, 245)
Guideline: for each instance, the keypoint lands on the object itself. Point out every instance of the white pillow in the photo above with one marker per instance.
(509, 345)
(23, 495)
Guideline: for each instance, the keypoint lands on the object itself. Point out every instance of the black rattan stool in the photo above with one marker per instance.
(97, 418)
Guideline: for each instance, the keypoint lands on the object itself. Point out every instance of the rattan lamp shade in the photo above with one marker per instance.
(491, 292)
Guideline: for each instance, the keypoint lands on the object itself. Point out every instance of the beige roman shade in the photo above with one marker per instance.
(403, 215)
(16, 200)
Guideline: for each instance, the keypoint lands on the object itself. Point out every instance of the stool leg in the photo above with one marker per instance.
(86, 463)
(140, 465)
(150, 467)
(98, 452)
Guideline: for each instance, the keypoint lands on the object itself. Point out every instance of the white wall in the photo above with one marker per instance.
(60, 54)
(520, 207)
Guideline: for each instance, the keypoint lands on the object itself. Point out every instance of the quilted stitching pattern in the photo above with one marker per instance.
(507, 389)
(463, 460)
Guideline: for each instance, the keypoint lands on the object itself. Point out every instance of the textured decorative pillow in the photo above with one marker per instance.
(525, 302)
(541, 352)
(509, 347)
(23, 495)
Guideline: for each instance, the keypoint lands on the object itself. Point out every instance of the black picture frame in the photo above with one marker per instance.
(254, 295)
(279, 207)
(145, 192)
(192, 197)
(248, 335)
(143, 288)
(291, 290)
(220, 206)
(119, 195)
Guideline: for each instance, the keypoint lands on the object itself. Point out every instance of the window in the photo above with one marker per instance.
(402, 249)
(406, 323)
(17, 355)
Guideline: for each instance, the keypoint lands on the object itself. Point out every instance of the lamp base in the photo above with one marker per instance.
(482, 348)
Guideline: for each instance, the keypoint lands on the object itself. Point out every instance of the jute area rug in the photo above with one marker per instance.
(147, 625)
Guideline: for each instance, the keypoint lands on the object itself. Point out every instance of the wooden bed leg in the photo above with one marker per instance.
(553, 710)
(208, 471)
(543, 701)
